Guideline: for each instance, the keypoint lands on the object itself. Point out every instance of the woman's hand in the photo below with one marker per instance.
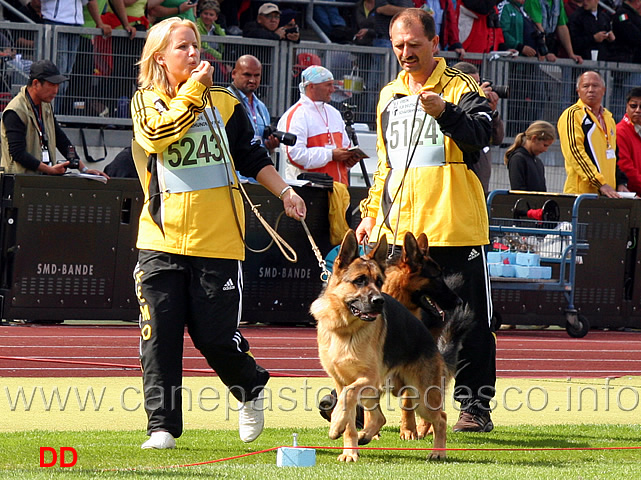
(203, 73)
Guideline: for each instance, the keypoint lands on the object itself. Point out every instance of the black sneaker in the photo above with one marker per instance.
(474, 419)
(326, 407)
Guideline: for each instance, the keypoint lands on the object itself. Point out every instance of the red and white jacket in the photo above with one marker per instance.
(319, 129)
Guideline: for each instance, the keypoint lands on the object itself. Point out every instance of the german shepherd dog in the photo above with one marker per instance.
(368, 340)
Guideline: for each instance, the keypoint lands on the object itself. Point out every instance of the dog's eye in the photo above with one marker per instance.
(379, 282)
(361, 281)
(431, 271)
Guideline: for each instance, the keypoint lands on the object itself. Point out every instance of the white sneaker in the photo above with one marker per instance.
(160, 440)
(251, 419)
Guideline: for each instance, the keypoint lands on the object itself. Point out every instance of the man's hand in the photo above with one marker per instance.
(57, 169)
(364, 229)
(93, 171)
(528, 51)
(577, 58)
(293, 37)
(345, 155)
(607, 191)
(281, 33)
(432, 103)
(271, 143)
(492, 96)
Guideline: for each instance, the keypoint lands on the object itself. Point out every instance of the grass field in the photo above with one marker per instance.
(107, 432)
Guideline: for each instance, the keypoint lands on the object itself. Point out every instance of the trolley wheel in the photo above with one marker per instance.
(578, 328)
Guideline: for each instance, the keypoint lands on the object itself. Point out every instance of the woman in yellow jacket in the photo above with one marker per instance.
(191, 229)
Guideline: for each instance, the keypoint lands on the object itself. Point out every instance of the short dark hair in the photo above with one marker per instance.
(411, 15)
(634, 92)
(466, 67)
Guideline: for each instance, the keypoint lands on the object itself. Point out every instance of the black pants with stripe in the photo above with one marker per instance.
(205, 295)
(476, 372)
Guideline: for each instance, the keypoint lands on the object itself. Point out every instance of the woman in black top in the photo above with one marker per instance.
(526, 169)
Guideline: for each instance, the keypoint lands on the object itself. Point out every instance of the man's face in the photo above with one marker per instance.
(321, 92)
(590, 5)
(414, 51)
(270, 22)
(246, 78)
(45, 91)
(208, 17)
(591, 89)
(633, 110)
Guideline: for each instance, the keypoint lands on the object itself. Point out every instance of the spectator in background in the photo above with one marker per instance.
(321, 140)
(70, 13)
(483, 168)
(519, 30)
(446, 23)
(206, 23)
(31, 10)
(526, 169)
(626, 25)
(550, 18)
(267, 27)
(328, 18)
(588, 141)
(629, 141)
(246, 77)
(365, 22)
(162, 9)
(572, 6)
(591, 30)
(479, 26)
(385, 10)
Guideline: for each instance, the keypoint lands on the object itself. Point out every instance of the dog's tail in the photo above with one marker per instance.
(449, 343)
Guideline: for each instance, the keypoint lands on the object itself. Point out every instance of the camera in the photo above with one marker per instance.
(348, 113)
(503, 91)
(285, 138)
(293, 29)
(541, 45)
(74, 162)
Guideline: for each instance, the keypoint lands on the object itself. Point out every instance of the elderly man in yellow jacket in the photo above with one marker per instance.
(587, 133)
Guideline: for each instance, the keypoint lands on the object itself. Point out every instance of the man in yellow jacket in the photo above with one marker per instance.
(587, 133)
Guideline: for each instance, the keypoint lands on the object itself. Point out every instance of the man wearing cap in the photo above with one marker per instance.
(30, 133)
(321, 140)
(266, 26)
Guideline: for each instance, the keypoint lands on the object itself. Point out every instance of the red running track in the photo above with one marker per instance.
(109, 351)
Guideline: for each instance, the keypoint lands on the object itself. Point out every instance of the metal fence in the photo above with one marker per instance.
(103, 75)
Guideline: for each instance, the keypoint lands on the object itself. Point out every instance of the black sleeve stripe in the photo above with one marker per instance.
(159, 133)
(574, 147)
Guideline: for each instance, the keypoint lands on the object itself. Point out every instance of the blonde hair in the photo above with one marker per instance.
(152, 74)
(539, 129)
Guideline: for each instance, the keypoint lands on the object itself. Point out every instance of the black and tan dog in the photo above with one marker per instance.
(367, 342)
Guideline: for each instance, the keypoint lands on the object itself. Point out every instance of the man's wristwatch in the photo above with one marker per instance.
(85, 169)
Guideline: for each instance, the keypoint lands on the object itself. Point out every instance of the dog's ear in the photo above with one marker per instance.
(411, 254)
(348, 251)
(423, 244)
(379, 253)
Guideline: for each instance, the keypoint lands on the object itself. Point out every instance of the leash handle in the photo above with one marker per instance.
(325, 273)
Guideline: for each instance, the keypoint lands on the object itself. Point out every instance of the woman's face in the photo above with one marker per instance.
(181, 56)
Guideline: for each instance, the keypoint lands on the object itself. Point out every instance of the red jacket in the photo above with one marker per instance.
(629, 153)
(449, 37)
(474, 33)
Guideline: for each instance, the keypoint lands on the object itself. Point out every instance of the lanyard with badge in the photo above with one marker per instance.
(42, 133)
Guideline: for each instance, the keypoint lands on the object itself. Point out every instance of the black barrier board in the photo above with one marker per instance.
(68, 247)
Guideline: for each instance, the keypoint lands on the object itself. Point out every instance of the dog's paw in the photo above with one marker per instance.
(407, 434)
(437, 455)
(348, 457)
(424, 430)
(363, 438)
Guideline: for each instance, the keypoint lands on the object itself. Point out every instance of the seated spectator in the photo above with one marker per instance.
(266, 26)
(479, 26)
(527, 171)
(328, 18)
(590, 30)
(629, 141)
(550, 18)
(364, 22)
(385, 10)
(206, 23)
(446, 23)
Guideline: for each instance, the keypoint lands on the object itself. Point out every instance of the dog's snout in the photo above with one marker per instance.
(377, 300)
